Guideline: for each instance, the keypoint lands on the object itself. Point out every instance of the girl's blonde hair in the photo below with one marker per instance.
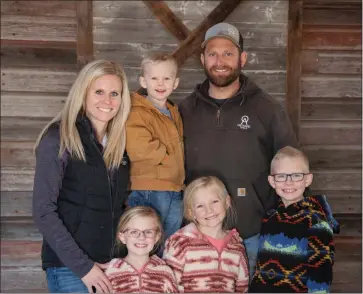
(75, 105)
(219, 187)
(134, 212)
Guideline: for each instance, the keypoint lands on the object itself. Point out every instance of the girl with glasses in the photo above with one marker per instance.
(140, 232)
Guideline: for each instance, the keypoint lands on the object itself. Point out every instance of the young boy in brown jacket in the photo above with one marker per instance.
(154, 143)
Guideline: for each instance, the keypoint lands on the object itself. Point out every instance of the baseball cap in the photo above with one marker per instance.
(224, 30)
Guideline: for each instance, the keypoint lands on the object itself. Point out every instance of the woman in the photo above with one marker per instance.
(81, 179)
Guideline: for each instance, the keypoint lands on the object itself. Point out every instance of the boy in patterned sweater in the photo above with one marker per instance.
(296, 249)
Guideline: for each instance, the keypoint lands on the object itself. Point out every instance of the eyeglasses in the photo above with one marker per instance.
(134, 233)
(295, 177)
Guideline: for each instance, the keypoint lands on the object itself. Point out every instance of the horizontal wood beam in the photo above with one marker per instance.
(294, 45)
(84, 15)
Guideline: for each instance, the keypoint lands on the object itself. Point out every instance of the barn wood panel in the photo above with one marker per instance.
(44, 28)
(16, 204)
(331, 109)
(328, 16)
(331, 86)
(107, 30)
(32, 104)
(21, 253)
(249, 11)
(17, 154)
(331, 133)
(17, 279)
(332, 37)
(335, 156)
(337, 179)
(32, 57)
(37, 80)
(131, 54)
(39, 8)
(328, 62)
(24, 129)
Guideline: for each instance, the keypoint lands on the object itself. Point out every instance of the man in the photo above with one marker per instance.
(232, 130)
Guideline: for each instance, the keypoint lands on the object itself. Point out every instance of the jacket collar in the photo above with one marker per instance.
(247, 88)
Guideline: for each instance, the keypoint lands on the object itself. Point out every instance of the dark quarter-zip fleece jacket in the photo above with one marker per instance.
(236, 142)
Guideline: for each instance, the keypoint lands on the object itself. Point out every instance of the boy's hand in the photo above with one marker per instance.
(97, 279)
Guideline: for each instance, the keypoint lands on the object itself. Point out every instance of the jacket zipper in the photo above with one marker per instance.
(218, 115)
(110, 194)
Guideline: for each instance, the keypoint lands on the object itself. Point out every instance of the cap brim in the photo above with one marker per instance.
(220, 36)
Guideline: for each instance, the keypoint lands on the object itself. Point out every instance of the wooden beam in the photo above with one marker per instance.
(192, 44)
(294, 45)
(171, 22)
(84, 14)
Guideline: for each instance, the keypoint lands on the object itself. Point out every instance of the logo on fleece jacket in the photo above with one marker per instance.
(244, 123)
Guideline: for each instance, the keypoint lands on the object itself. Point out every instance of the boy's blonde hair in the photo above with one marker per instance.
(157, 57)
(131, 213)
(220, 188)
(75, 105)
(289, 152)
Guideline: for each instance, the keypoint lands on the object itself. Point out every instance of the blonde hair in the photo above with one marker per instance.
(157, 57)
(69, 136)
(134, 212)
(289, 152)
(220, 188)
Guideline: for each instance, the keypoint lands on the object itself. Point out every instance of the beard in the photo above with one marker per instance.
(223, 80)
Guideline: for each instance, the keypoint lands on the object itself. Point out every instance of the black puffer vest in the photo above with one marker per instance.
(91, 201)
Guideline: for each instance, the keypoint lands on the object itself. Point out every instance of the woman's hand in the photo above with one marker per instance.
(97, 279)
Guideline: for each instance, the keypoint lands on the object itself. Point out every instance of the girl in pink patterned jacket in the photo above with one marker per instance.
(140, 231)
(204, 255)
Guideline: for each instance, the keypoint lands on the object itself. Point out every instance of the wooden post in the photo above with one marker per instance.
(84, 16)
(293, 79)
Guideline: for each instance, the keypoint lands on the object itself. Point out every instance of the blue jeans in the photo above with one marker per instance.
(168, 204)
(251, 245)
(63, 280)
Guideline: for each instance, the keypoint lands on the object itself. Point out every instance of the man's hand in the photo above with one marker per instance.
(98, 279)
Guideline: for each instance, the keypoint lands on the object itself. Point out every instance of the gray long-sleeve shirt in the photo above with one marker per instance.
(49, 173)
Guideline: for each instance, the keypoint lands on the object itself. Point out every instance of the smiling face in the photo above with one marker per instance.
(160, 80)
(143, 244)
(289, 191)
(209, 208)
(222, 61)
(103, 99)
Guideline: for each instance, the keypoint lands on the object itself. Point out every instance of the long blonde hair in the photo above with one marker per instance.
(220, 188)
(69, 136)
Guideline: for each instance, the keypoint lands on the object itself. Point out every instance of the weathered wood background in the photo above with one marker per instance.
(39, 56)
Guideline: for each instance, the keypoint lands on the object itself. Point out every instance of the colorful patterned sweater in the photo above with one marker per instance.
(296, 249)
(200, 268)
(155, 277)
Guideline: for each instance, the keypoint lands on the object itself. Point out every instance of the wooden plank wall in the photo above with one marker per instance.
(38, 66)
(126, 31)
(331, 126)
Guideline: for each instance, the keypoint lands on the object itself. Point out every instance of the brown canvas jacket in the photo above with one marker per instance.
(154, 143)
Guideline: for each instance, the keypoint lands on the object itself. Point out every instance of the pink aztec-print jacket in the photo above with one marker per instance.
(200, 268)
(155, 277)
